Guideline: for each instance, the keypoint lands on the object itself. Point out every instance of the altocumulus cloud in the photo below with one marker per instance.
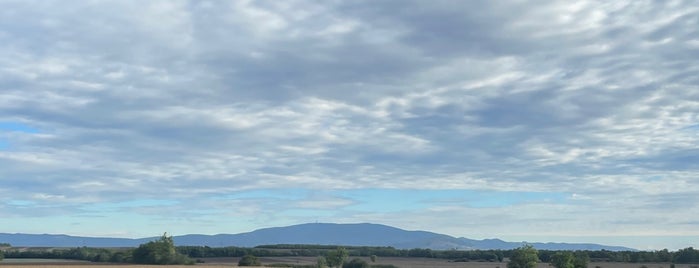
(537, 119)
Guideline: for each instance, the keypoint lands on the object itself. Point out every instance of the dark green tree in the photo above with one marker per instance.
(249, 260)
(161, 251)
(356, 263)
(664, 256)
(524, 257)
(337, 257)
(687, 255)
(321, 262)
(563, 260)
(580, 259)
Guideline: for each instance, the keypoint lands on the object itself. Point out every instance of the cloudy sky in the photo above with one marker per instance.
(572, 121)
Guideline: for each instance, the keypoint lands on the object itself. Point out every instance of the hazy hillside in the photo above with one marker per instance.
(363, 234)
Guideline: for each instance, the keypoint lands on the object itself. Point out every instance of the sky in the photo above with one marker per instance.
(561, 121)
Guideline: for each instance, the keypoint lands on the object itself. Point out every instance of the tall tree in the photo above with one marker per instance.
(563, 260)
(580, 259)
(335, 258)
(321, 262)
(524, 257)
(161, 251)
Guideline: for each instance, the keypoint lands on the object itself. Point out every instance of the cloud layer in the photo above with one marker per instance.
(224, 117)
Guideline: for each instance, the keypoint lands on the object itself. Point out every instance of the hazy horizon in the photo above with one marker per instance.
(672, 243)
(476, 119)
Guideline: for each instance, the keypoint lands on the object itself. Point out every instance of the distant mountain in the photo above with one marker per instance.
(362, 234)
(50, 240)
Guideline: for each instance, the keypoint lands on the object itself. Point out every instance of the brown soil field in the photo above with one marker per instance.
(399, 262)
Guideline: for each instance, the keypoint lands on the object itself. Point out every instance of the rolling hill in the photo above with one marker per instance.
(361, 234)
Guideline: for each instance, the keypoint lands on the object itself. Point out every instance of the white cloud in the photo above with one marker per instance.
(200, 99)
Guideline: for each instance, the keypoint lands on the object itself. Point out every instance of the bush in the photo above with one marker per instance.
(335, 258)
(524, 257)
(563, 260)
(581, 259)
(249, 260)
(161, 251)
(356, 263)
(321, 262)
(288, 265)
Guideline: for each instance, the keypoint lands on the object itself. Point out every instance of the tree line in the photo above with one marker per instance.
(527, 257)
(687, 255)
(286, 250)
(163, 251)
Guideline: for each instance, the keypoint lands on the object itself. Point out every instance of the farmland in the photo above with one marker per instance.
(231, 262)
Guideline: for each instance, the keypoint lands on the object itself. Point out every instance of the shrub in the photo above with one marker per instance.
(249, 260)
(356, 263)
(321, 262)
(335, 258)
(161, 251)
(288, 265)
(524, 257)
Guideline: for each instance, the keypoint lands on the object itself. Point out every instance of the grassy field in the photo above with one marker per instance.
(231, 262)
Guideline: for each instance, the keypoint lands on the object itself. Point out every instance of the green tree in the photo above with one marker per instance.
(356, 263)
(563, 260)
(664, 256)
(249, 260)
(161, 251)
(337, 257)
(580, 259)
(524, 257)
(321, 262)
(687, 255)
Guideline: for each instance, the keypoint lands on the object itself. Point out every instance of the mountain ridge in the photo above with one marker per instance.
(355, 234)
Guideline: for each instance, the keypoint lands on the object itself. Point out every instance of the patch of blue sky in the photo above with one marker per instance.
(504, 199)
(130, 204)
(387, 200)
(310, 215)
(397, 200)
(20, 203)
(654, 178)
(692, 127)
(17, 127)
(13, 127)
(287, 194)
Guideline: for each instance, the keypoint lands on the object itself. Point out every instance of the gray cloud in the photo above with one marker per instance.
(191, 99)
